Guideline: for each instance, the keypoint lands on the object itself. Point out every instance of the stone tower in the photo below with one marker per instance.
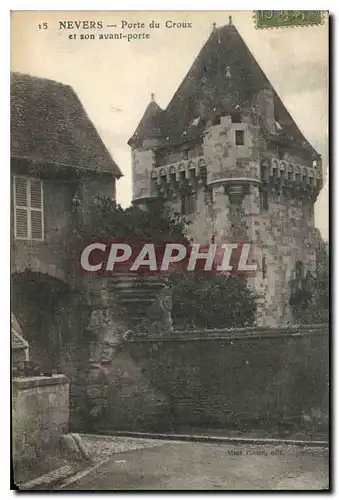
(227, 154)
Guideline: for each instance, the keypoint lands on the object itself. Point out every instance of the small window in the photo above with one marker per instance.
(290, 175)
(28, 209)
(314, 163)
(188, 203)
(304, 178)
(236, 117)
(239, 137)
(264, 173)
(297, 177)
(264, 200)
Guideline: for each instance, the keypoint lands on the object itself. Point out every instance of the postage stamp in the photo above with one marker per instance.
(287, 18)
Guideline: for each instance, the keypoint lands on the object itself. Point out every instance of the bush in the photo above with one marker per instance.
(212, 301)
(314, 301)
(199, 301)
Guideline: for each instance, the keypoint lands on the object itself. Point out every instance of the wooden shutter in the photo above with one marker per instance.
(28, 209)
(20, 208)
(35, 194)
(36, 212)
(36, 225)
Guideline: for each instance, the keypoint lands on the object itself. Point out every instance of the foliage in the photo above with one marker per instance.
(319, 312)
(212, 301)
(313, 303)
(106, 219)
(199, 301)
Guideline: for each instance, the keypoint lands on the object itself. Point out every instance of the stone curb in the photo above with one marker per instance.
(219, 439)
(81, 474)
(48, 479)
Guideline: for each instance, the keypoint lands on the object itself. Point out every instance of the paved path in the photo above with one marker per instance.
(173, 465)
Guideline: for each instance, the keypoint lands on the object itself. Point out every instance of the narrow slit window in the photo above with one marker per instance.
(264, 267)
(264, 200)
(239, 137)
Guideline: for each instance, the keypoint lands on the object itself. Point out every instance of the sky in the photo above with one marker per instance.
(114, 78)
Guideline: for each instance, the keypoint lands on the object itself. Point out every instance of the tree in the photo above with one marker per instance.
(212, 301)
(310, 301)
(319, 311)
(199, 301)
(106, 219)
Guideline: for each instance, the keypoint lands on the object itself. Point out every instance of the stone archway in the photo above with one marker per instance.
(53, 318)
(36, 301)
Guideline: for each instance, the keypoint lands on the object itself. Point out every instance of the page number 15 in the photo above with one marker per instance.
(43, 26)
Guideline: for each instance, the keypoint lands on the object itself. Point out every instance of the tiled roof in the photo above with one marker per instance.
(49, 123)
(224, 75)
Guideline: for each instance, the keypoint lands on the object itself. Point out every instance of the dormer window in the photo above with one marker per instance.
(278, 126)
(239, 137)
(28, 209)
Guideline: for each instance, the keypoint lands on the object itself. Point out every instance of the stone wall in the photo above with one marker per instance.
(115, 386)
(285, 234)
(40, 412)
(220, 379)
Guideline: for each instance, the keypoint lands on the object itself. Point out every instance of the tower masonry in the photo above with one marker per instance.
(227, 155)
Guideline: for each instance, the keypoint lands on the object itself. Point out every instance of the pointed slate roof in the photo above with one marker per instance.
(151, 124)
(224, 75)
(49, 123)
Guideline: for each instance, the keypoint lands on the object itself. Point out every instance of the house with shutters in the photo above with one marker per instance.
(227, 154)
(58, 165)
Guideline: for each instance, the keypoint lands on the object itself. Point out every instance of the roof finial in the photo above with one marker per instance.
(230, 20)
(214, 26)
(152, 97)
